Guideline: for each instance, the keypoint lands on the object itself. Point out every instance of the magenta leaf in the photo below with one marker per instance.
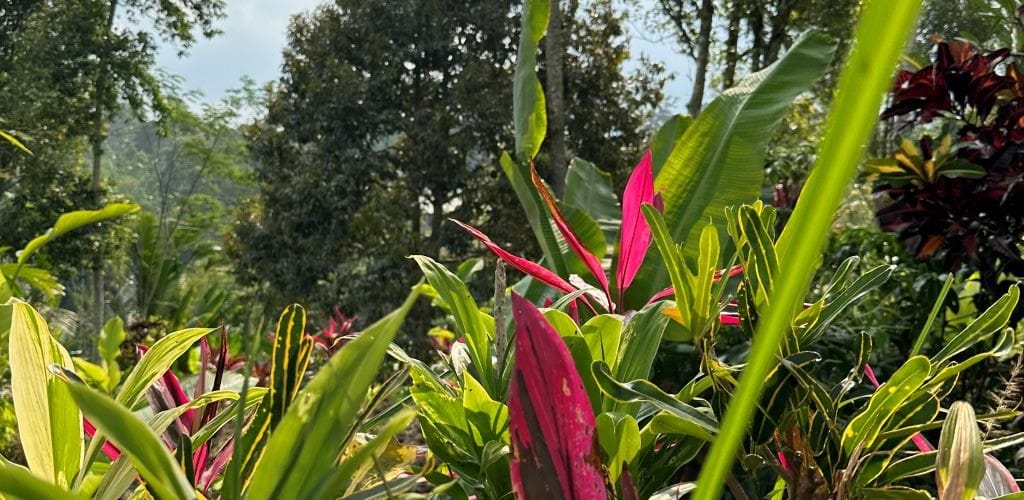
(635, 235)
(589, 259)
(526, 266)
(554, 446)
(111, 451)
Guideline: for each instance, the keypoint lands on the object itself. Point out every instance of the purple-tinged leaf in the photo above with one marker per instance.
(523, 265)
(589, 259)
(635, 235)
(554, 446)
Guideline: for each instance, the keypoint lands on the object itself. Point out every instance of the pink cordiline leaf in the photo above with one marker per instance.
(111, 451)
(554, 448)
(589, 259)
(526, 266)
(635, 235)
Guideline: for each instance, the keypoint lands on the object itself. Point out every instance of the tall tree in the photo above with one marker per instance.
(389, 119)
(554, 56)
(693, 34)
(95, 54)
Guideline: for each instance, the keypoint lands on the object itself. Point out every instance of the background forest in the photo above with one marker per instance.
(390, 118)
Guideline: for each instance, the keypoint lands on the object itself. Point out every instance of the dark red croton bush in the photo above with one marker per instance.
(952, 189)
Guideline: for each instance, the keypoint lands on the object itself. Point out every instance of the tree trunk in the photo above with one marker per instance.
(554, 52)
(707, 12)
(755, 25)
(777, 36)
(732, 39)
(97, 139)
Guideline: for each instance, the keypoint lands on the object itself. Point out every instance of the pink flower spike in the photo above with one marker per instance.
(635, 235)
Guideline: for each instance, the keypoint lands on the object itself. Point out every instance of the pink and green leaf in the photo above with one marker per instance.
(581, 251)
(635, 235)
(552, 425)
(526, 266)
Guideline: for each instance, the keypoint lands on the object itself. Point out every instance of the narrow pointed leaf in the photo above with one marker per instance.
(74, 220)
(554, 446)
(18, 482)
(526, 266)
(635, 238)
(302, 451)
(577, 247)
(154, 462)
(528, 112)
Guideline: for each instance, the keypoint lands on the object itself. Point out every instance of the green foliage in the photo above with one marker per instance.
(48, 393)
(430, 127)
(880, 33)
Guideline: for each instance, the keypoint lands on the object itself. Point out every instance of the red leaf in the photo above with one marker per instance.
(536, 271)
(589, 259)
(111, 451)
(554, 448)
(635, 235)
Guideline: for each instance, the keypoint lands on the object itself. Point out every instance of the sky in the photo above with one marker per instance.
(256, 31)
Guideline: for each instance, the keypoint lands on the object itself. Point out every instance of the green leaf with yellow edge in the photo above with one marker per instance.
(289, 359)
(49, 423)
(147, 453)
(865, 427)
(303, 450)
(157, 360)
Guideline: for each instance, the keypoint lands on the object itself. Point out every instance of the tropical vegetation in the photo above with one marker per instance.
(713, 314)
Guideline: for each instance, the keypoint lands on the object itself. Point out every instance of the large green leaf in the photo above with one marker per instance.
(18, 483)
(590, 189)
(147, 453)
(49, 423)
(880, 36)
(665, 140)
(530, 118)
(719, 160)
(74, 220)
(303, 450)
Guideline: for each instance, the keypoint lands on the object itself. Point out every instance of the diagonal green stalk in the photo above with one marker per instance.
(880, 37)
